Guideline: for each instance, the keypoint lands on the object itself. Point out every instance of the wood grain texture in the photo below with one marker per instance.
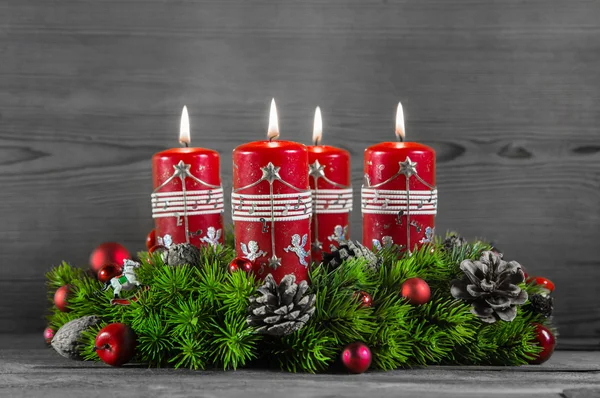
(27, 369)
(507, 92)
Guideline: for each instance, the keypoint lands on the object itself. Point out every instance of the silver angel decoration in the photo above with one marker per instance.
(429, 232)
(386, 241)
(252, 251)
(212, 236)
(298, 248)
(166, 241)
(339, 234)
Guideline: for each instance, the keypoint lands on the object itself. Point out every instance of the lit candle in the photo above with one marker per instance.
(271, 205)
(399, 197)
(187, 202)
(329, 171)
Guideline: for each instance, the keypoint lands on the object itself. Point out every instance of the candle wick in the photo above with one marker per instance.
(186, 145)
(400, 138)
(317, 142)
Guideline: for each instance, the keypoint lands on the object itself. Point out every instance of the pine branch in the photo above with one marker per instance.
(232, 342)
(61, 275)
(190, 352)
(154, 343)
(307, 350)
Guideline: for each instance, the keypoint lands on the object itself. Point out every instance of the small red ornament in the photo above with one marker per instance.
(542, 282)
(108, 272)
(546, 340)
(240, 263)
(108, 253)
(416, 291)
(356, 357)
(61, 298)
(48, 335)
(365, 299)
(151, 239)
(115, 344)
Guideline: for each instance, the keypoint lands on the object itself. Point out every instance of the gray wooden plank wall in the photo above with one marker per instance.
(507, 92)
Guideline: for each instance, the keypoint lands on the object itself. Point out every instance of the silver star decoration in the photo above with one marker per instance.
(274, 262)
(181, 169)
(270, 173)
(408, 167)
(316, 170)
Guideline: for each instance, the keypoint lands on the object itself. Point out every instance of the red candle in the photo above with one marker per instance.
(329, 171)
(271, 205)
(399, 197)
(187, 202)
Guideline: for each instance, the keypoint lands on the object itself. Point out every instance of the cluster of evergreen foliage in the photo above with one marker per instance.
(194, 316)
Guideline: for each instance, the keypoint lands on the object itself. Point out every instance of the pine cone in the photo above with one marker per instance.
(182, 253)
(281, 310)
(349, 250)
(453, 241)
(491, 285)
(543, 305)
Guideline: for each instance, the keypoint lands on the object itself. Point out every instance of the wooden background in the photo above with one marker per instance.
(507, 92)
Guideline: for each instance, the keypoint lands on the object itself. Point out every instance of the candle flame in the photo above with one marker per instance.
(400, 132)
(273, 131)
(184, 128)
(318, 127)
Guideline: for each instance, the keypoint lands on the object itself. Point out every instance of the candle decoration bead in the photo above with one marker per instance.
(329, 171)
(187, 202)
(271, 207)
(399, 197)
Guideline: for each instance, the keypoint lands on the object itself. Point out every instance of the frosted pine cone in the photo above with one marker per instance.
(349, 250)
(281, 310)
(491, 286)
(182, 253)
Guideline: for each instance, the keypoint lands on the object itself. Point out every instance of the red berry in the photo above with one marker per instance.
(542, 282)
(61, 298)
(115, 344)
(240, 263)
(108, 253)
(356, 357)
(151, 239)
(108, 272)
(365, 299)
(546, 340)
(416, 291)
(48, 335)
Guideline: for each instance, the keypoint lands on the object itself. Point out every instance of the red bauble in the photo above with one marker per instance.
(365, 299)
(416, 291)
(61, 298)
(151, 239)
(48, 335)
(542, 282)
(108, 272)
(356, 357)
(108, 253)
(115, 344)
(240, 263)
(546, 340)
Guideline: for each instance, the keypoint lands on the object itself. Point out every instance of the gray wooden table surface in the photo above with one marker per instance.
(28, 368)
